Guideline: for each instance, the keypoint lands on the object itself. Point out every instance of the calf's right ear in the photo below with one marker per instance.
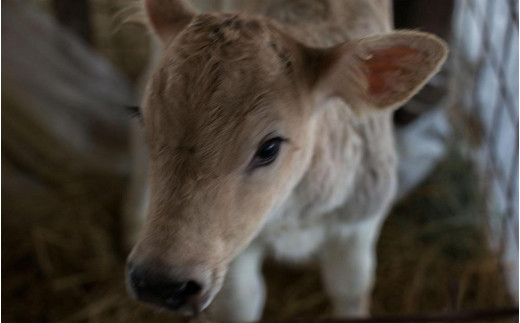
(168, 17)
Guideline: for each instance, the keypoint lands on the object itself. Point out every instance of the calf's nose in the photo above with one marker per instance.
(158, 289)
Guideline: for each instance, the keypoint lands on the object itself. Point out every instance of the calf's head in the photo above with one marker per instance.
(230, 117)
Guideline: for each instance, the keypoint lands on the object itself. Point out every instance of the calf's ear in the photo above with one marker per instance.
(168, 17)
(377, 72)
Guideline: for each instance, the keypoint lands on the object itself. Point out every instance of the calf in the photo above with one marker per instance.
(271, 133)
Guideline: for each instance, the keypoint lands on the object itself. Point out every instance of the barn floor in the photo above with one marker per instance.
(65, 264)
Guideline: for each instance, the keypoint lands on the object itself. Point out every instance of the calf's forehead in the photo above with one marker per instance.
(214, 79)
(192, 110)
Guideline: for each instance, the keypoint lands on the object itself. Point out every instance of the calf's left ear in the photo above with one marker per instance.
(377, 72)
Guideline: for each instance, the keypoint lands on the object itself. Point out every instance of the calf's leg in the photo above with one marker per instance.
(243, 293)
(347, 265)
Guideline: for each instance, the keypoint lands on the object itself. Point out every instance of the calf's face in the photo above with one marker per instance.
(230, 116)
(228, 136)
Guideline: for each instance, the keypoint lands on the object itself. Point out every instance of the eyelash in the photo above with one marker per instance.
(262, 161)
(134, 112)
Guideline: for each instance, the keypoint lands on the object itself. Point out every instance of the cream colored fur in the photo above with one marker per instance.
(224, 83)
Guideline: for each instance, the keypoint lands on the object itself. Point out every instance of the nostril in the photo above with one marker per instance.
(191, 288)
(180, 292)
(175, 295)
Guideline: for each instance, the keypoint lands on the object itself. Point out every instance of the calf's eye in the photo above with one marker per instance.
(267, 152)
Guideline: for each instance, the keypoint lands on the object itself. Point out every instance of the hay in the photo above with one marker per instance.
(434, 255)
(67, 266)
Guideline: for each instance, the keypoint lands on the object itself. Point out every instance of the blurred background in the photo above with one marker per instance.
(70, 69)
